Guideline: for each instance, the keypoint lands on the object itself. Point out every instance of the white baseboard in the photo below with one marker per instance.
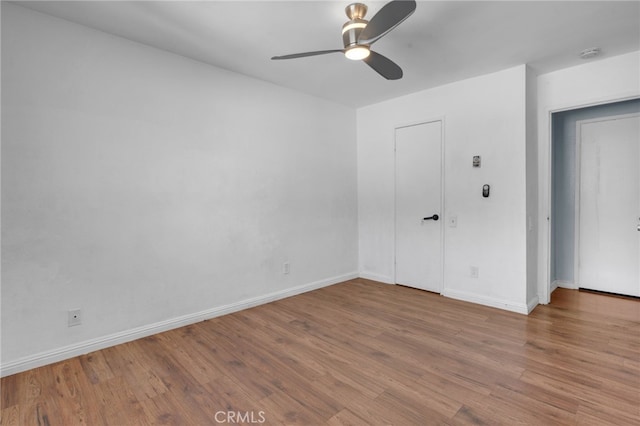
(508, 305)
(376, 277)
(564, 284)
(82, 348)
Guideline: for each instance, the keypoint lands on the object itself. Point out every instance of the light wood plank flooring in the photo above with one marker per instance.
(356, 353)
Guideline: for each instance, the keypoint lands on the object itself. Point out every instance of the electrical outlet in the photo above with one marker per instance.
(74, 317)
(286, 268)
(474, 271)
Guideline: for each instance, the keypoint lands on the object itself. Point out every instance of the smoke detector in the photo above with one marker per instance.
(590, 53)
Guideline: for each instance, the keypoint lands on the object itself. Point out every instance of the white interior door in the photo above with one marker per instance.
(609, 206)
(419, 196)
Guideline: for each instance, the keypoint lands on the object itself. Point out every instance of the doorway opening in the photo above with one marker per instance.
(565, 187)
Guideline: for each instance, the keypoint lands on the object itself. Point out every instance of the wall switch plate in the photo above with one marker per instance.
(453, 221)
(74, 317)
(286, 268)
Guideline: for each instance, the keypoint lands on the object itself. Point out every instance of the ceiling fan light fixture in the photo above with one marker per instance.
(357, 53)
(356, 48)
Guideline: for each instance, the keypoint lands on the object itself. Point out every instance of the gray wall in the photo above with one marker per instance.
(563, 175)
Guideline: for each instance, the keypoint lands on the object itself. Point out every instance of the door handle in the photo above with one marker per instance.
(436, 217)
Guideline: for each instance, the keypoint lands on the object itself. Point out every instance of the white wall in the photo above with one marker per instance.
(593, 83)
(482, 116)
(150, 190)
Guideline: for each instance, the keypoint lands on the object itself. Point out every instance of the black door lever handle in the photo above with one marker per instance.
(434, 217)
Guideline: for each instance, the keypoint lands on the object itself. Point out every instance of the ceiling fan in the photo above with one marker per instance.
(359, 34)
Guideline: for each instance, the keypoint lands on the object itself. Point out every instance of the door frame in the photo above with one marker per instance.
(441, 120)
(578, 177)
(545, 166)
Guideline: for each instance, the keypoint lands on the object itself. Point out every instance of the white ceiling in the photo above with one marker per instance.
(442, 42)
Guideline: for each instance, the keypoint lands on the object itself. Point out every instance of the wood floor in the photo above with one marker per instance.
(357, 353)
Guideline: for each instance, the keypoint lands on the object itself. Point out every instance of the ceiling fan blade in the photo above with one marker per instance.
(302, 55)
(387, 18)
(383, 66)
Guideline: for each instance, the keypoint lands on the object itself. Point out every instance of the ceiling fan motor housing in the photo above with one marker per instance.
(352, 28)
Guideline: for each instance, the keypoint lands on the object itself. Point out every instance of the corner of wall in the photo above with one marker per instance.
(531, 114)
(376, 277)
